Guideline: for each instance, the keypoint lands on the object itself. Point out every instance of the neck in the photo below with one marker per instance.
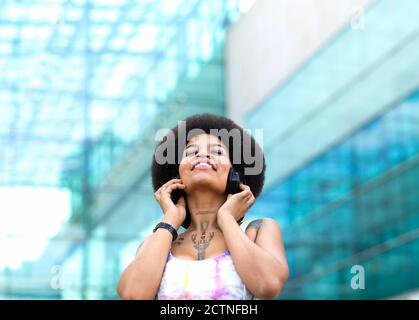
(203, 206)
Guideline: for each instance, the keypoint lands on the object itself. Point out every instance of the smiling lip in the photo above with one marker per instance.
(203, 165)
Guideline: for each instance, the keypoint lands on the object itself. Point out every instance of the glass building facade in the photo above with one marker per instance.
(355, 204)
(342, 184)
(85, 86)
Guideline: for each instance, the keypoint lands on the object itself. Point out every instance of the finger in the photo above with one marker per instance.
(181, 201)
(245, 193)
(172, 187)
(244, 186)
(248, 197)
(170, 182)
(158, 192)
(247, 200)
(251, 198)
(247, 189)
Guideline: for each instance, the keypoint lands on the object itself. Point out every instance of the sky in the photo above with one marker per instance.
(28, 218)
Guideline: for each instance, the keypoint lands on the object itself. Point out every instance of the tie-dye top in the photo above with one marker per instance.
(214, 278)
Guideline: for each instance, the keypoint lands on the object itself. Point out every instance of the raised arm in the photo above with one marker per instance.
(141, 279)
(260, 262)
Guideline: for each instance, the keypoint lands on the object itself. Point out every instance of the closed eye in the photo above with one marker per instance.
(190, 152)
(218, 151)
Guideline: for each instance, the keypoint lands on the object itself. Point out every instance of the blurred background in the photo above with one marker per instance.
(86, 84)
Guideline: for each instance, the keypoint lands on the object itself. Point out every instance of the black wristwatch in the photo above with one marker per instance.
(167, 227)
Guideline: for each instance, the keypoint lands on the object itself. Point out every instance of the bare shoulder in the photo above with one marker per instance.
(267, 234)
(262, 226)
(265, 223)
(255, 226)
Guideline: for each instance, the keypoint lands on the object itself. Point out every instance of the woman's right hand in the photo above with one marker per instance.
(174, 214)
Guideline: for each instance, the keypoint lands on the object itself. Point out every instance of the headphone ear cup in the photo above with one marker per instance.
(233, 181)
(233, 184)
(228, 189)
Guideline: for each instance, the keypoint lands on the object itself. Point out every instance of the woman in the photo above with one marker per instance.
(218, 256)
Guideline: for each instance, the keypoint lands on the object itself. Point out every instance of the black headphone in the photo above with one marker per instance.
(233, 186)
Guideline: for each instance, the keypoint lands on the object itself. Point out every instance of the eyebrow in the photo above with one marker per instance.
(212, 145)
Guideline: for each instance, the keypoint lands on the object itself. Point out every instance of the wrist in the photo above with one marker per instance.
(172, 221)
(168, 227)
(224, 217)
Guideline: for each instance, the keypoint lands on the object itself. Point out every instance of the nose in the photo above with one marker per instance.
(203, 153)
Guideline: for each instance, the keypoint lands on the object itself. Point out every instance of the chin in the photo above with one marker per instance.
(204, 182)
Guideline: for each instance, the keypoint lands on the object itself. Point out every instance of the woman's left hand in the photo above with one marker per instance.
(237, 204)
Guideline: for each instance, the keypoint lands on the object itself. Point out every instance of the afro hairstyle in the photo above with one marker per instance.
(162, 173)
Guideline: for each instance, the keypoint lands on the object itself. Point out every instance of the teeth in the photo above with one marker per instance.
(202, 164)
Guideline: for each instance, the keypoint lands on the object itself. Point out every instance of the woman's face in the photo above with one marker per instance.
(205, 163)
